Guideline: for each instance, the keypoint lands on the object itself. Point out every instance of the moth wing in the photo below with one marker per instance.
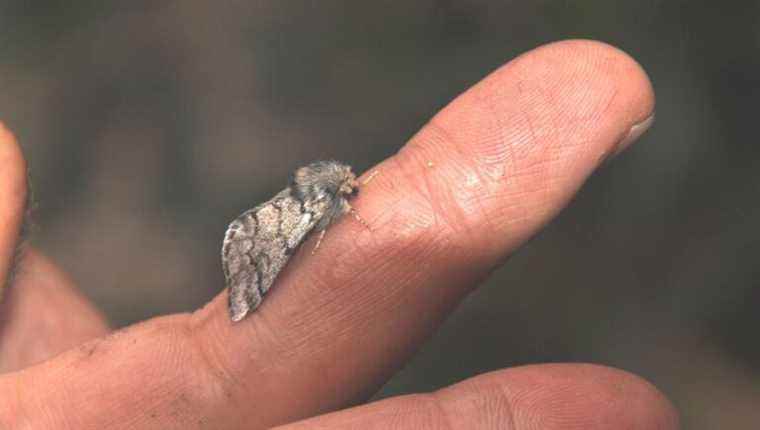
(258, 245)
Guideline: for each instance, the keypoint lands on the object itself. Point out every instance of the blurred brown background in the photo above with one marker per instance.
(149, 125)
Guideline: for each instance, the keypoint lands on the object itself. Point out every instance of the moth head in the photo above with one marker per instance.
(324, 179)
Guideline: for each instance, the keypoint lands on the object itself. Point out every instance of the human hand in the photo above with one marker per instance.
(476, 182)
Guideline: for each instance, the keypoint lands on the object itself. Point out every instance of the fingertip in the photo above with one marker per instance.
(13, 199)
(549, 97)
(511, 151)
(634, 97)
(13, 169)
(623, 396)
(610, 70)
(568, 396)
(547, 397)
(638, 398)
(602, 68)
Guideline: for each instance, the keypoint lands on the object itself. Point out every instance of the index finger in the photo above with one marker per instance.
(484, 175)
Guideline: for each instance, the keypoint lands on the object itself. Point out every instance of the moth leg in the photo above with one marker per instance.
(357, 217)
(319, 241)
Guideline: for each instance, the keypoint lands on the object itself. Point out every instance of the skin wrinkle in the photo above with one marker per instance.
(530, 140)
(536, 170)
(592, 111)
(421, 188)
(481, 395)
(213, 364)
(262, 337)
(379, 301)
(558, 157)
(443, 414)
(582, 104)
(269, 339)
(442, 230)
(305, 341)
(499, 409)
(507, 398)
(474, 197)
(445, 208)
(11, 409)
(607, 107)
(202, 382)
(500, 155)
(287, 348)
(532, 136)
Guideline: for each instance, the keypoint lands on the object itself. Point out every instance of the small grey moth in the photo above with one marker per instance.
(259, 243)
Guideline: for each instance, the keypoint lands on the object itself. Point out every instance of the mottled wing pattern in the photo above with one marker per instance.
(258, 244)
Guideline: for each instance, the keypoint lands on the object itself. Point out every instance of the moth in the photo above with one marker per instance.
(258, 243)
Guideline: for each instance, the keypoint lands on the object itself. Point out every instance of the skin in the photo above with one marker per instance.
(482, 177)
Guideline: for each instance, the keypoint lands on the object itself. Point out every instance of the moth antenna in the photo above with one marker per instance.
(370, 177)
